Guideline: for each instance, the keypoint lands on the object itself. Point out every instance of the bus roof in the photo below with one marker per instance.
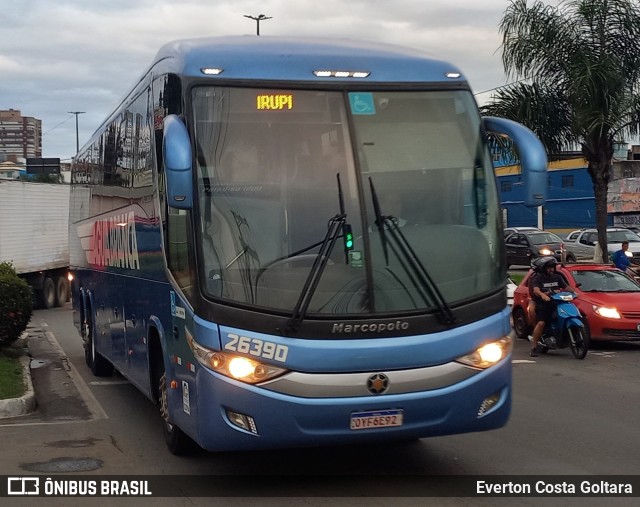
(289, 58)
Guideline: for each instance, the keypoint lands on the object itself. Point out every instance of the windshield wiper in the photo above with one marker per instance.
(335, 228)
(408, 259)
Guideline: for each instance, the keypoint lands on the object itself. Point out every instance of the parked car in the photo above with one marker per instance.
(511, 288)
(508, 231)
(632, 228)
(608, 300)
(525, 246)
(583, 242)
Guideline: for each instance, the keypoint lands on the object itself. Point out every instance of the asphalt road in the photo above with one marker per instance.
(569, 417)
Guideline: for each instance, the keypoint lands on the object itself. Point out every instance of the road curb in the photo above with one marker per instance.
(25, 404)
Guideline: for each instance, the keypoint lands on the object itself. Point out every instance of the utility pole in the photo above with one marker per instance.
(257, 19)
(77, 139)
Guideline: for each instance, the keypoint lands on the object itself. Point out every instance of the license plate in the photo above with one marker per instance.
(376, 419)
(637, 327)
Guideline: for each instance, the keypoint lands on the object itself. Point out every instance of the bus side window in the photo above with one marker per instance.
(178, 249)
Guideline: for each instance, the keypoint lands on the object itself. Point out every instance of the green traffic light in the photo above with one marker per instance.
(348, 237)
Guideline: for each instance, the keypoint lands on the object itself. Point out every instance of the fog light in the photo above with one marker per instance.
(245, 422)
(488, 403)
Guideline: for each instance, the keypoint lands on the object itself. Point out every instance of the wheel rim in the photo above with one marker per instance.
(520, 324)
(49, 294)
(578, 343)
(61, 291)
(88, 336)
(92, 346)
(164, 404)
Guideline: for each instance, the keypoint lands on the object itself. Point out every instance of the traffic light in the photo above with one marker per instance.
(348, 237)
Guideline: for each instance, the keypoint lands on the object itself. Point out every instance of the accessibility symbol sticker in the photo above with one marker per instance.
(362, 103)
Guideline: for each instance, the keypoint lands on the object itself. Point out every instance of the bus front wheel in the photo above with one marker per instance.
(177, 441)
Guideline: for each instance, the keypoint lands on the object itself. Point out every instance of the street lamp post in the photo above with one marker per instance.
(77, 139)
(257, 19)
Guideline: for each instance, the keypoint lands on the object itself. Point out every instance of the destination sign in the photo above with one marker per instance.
(274, 101)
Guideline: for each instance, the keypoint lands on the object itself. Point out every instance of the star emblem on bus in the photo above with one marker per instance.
(378, 383)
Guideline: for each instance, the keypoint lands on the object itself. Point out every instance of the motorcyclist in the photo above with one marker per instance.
(547, 282)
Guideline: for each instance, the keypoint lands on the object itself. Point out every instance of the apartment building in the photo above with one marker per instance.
(20, 136)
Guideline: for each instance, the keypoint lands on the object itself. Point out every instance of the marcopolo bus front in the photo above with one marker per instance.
(311, 392)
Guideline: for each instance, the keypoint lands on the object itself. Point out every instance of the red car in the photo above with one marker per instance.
(608, 300)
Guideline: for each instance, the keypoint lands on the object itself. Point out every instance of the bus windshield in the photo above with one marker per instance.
(413, 183)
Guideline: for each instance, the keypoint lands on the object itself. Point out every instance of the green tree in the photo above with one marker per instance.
(15, 305)
(578, 69)
(43, 178)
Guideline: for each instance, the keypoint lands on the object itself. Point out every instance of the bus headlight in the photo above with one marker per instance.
(233, 366)
(489, 353)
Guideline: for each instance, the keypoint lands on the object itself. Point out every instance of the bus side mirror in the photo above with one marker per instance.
(533, 157)
(176, 153)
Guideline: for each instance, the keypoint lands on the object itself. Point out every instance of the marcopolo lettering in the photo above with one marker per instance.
(374, 327)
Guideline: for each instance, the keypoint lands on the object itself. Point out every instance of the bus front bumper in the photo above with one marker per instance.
(229, 415)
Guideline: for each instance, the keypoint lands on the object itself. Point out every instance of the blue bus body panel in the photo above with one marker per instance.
(293, 421)
(286, 420)
(295, 59)
(368, 354)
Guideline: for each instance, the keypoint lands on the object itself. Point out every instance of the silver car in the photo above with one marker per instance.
(583, 242)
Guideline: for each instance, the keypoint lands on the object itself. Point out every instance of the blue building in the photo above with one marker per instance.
(570, 199)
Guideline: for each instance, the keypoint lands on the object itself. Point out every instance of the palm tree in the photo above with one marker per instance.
(578, 70)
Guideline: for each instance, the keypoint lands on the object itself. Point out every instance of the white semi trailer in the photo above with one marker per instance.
(34, 223)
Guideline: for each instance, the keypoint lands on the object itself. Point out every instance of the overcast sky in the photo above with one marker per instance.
(58, 56)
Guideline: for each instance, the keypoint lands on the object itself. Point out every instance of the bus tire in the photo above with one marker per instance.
(99, 366)
(61, 291)
(48, 293)
(177, 441)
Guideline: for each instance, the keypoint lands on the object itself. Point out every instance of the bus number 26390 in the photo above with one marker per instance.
(256, 347)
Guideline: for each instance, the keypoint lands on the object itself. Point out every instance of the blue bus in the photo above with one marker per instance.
(297, 242)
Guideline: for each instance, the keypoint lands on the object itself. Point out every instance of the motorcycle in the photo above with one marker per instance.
(566, 328)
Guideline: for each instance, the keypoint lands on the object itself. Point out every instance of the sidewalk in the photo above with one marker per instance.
(25, 404)
(52, 394)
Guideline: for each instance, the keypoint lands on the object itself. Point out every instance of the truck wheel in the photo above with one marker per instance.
(61, 291)
(48, 293)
